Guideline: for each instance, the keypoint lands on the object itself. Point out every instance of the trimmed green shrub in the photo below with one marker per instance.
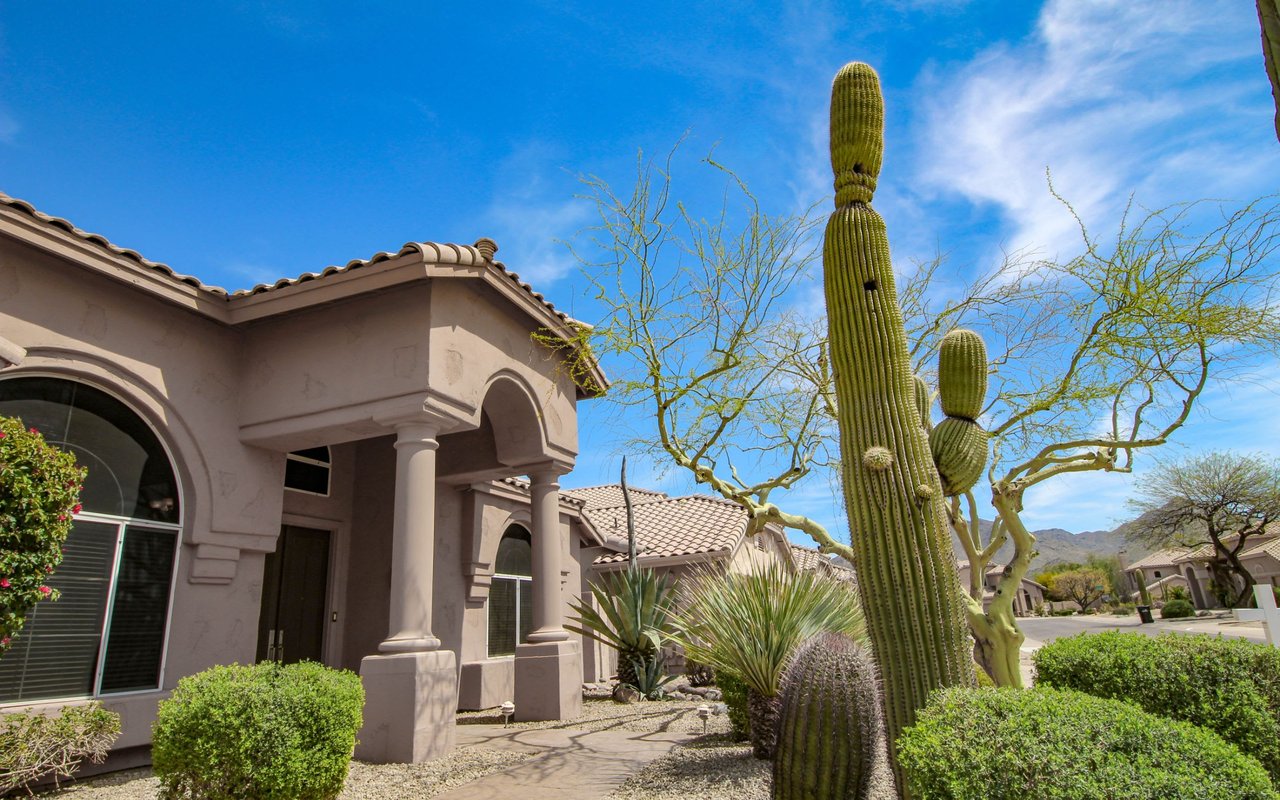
(1229, 686)
(263, 731)
(39, 487)
(734, 694)
(1177, 608)
(35, 745)
(1047, 744)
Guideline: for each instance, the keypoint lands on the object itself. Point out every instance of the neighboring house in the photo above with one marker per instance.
(320, 468)
(676, 536)
(1159, 572)
(1261, 557)
(1029, 595)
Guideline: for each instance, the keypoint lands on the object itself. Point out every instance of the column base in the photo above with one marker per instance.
(410, 704)
(548, 681)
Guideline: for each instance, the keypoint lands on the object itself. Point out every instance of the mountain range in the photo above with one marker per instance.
(1055, 545)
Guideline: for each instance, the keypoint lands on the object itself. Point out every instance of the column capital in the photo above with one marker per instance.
(548, 473)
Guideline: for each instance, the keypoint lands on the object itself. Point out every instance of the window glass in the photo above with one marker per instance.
(515, 553)
(502, 617)
(308, 471)
(107, 631)
(56, 652)
(129, 473)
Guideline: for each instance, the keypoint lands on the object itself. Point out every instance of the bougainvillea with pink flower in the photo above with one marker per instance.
(39, 491)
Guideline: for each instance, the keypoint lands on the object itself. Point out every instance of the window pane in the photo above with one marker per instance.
(129, 473)
(306, 477)
(56, 653)
(515, 554)
(135, 642)
(502, 617)
(314, 453)
(526, 610)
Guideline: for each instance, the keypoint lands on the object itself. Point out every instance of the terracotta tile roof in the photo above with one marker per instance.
(610, 495)
(1267, 548)
(671, 527)
(105, 244)
(1160, 558)
(464, 255)
(523, 486)
(1205, 552)
(809, 558)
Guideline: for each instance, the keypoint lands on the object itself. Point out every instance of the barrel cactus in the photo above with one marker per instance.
(831, 739)
(900, 538)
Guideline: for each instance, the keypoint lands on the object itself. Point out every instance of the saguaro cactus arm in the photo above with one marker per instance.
(907, 573)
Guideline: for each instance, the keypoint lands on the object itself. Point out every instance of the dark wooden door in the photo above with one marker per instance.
(296, 577)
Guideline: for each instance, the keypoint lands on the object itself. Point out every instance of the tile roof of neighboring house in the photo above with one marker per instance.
(610, 495)
(1268, 548)
(1205, 551)
(467, 255)
(671, 527)
(807, 557)
(1167, 557)
(523, 486)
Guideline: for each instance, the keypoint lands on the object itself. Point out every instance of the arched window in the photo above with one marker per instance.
(106, 634)
(511, 593)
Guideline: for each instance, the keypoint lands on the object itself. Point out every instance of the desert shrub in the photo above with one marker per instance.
(263, 731)
(35, 745)
(1178, 593)
(734, 694)
(1177, 609)
(1048, 744)
(699, 674)
(39, 487)
(1229, 686)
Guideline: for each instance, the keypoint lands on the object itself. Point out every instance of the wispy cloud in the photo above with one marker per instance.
(532, 213)
(1114, 97)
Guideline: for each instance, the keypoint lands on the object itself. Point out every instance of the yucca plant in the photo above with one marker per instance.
(749, 625)
(634, 618)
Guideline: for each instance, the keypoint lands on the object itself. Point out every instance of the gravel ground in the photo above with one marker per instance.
(711, 768)
(364, 782)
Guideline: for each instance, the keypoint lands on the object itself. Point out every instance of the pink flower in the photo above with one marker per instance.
(4, 583)
(62, 518)
(48, 569)
(5, 641)
(76, 510)
(45, 590)
(32, 430)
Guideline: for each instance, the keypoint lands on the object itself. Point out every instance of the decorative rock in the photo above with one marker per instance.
(626, 694)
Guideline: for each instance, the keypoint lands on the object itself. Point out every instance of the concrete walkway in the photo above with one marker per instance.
(572, 765)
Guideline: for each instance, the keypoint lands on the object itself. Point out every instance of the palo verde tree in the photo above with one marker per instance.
(1092, 359)
(1219, 500)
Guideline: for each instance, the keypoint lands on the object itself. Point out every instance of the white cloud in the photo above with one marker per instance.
(1114, 96)
(530, 216)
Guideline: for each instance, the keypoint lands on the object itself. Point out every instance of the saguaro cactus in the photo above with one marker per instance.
(831, 740)
(906, 571)
(958, 443)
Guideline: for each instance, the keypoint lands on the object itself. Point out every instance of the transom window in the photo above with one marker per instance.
(511, 593)
(107, 632)
(308, 471)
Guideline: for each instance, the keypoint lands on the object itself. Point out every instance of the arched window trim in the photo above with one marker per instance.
(122, 522)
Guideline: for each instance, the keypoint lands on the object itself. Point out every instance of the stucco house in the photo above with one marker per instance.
(321, 468)
(676, 536)
(1029, 595)
(1189, 568)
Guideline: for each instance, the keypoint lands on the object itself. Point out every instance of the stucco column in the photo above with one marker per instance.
(548, 605)
(413, 540)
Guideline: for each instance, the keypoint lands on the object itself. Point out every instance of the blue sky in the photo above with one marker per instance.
(241, 142)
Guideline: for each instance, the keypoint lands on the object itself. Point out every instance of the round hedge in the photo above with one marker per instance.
(1048, 744)
(264, 731)
(1230, 686)
(1177, 608)
(39, 491)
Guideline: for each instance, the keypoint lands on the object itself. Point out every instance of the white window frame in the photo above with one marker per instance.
(315, 462)
(489, 612)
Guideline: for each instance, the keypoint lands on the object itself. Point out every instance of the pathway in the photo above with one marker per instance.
(573, 765)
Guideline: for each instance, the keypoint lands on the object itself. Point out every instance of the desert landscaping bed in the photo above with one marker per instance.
(710, 766)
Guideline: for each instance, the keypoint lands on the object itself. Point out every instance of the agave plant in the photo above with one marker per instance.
(634, 618)
(749, 625)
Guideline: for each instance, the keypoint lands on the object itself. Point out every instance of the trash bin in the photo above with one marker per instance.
(1144, 614)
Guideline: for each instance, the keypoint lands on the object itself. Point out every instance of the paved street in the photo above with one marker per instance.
(1042, 630)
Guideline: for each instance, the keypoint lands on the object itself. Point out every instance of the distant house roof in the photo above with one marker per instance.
(1161, 558)
(671, 527)
(1205, 552)
(810, 558)
(610, 495)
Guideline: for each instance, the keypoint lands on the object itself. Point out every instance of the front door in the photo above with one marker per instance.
(291, 625)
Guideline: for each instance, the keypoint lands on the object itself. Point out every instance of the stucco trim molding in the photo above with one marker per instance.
(11, 353)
